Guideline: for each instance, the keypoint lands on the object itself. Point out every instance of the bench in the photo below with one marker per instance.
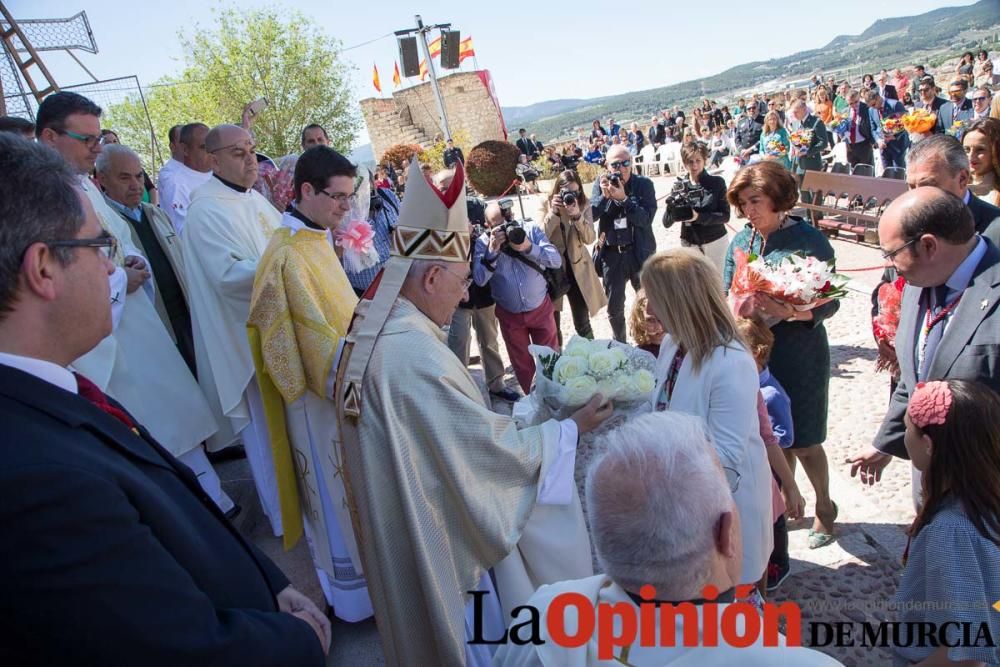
(846, 204)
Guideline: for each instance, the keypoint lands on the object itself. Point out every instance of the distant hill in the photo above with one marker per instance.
(930, 37)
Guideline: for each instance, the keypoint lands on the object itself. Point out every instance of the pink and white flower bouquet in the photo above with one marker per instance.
(803, 282)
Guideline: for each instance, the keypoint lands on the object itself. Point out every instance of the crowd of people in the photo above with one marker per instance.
(150, 326)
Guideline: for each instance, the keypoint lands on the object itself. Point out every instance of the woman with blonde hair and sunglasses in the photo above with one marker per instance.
(704, 369)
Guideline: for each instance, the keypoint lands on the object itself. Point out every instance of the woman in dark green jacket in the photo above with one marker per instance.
(764, 193)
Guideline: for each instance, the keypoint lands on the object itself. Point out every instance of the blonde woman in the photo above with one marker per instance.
(704, 369)
(569, 225)
(774, 139)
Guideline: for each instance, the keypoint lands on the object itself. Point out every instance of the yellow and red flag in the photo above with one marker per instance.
(375, 81)
(395, 74)
(435, 48)
(465, 49)
(423, 70)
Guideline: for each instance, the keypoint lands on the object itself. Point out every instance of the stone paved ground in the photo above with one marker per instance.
(849, 580)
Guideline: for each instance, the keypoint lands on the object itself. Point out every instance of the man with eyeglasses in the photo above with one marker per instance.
(981, 99)
(949, 315)
(957, 112)
(111, 552)
(624, 204)
(193, 171)
(138, 363)
(927, 95)
(300, 310)
(228, 227)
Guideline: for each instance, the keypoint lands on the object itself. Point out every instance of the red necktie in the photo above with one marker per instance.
(93, 393)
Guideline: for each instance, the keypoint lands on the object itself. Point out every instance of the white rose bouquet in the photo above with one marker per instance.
(618, 372)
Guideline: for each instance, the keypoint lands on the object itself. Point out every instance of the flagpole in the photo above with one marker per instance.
(434, 82)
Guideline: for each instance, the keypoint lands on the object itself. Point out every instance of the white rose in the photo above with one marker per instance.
(602, 363)
(642, 381)
(569, 367)
(610, 387)
(580, 389)
(578, 346)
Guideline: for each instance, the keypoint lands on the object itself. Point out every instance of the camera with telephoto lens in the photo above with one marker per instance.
(511, 227)
(568, 197)
(683, 199)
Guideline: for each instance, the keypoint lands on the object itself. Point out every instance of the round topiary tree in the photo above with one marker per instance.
(401, 154)
(491, 167)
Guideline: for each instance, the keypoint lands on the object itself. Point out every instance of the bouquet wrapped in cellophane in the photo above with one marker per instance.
(567, 380)
(803, 282)
(920, 121)
(886, 322)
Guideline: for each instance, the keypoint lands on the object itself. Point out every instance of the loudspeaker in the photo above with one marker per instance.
(450, 40)
(408, 56)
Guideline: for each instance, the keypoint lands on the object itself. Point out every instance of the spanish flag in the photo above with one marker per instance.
(435, 48)
(375, 81)
(395, 74)
(465, 49)
(423, 70)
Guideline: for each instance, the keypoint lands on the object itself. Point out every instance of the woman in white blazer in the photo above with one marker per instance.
(705, 370)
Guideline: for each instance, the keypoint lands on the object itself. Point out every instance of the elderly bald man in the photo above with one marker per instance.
(953, 283)
(228, 227)
(624, 204)
(666, 528)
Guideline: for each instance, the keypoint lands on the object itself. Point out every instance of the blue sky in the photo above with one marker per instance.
(546, 51)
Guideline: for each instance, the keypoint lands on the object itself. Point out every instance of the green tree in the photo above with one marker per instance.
(243, 56)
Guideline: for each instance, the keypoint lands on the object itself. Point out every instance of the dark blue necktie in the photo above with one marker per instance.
(936, 302)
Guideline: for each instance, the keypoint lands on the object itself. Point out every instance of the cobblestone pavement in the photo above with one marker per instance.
(849, 580)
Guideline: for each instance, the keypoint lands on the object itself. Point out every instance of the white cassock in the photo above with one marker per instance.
(139, 366)
(176, 187)
(225, 235)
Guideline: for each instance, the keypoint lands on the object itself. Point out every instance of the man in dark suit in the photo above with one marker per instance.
(539, 147)
(112, 554)
(957, 110)
(953, 276)
(657, 133)
(894, 147)
(886, 90)
(864, 131)
(525, 145)
(812, 157)
(927, 95)
(452, 154)
(748, 129)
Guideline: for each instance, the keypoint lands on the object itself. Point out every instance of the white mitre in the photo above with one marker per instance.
(433, 225)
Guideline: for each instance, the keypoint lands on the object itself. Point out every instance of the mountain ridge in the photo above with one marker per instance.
(886, 42)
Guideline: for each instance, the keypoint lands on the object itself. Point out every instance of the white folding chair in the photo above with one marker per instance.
(647, 160)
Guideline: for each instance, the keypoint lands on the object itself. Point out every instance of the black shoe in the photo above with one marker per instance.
(234, 512)
(505, 394)
(228, 454)
(776, 575)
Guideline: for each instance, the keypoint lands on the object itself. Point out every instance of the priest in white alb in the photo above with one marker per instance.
(138, 364)
(227, 229)
(299, 314)
(441, 488)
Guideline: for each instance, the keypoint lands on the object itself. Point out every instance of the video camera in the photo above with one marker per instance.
(684, 197)
(511, 227)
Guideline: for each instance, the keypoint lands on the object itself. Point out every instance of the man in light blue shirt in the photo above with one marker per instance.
(514, 274)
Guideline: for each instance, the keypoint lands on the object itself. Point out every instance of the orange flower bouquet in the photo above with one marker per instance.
(919, 120)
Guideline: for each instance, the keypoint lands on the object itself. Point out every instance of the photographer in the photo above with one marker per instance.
(477, 313)
(569, 224)
(511, 258)
(624, 204)
(700, 205)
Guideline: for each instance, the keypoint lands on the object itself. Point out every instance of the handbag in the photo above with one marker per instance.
(557, 282)
(597, 256)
